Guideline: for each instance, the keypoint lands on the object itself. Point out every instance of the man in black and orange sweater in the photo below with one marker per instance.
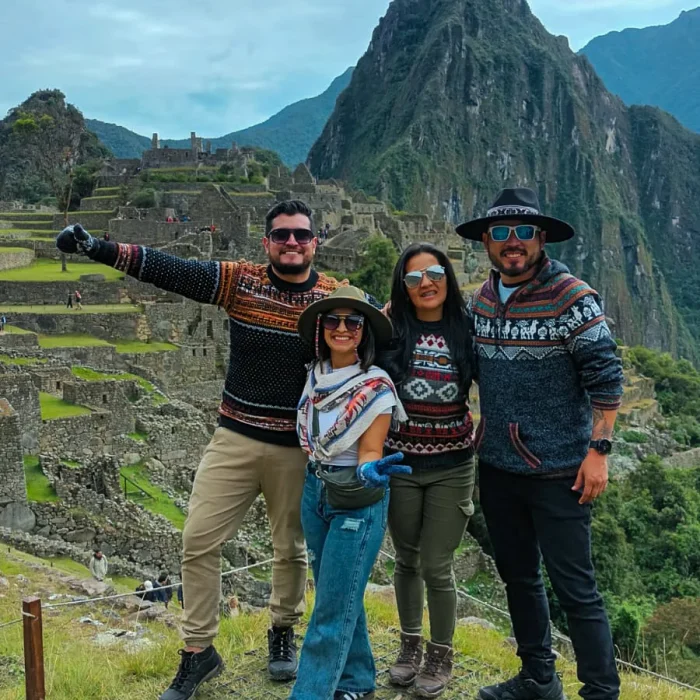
(254, 450)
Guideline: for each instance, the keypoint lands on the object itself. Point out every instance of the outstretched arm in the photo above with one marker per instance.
(206, 282)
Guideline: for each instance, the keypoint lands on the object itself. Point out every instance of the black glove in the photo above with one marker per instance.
(75, 239)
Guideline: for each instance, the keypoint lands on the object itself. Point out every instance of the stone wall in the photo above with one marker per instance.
(50, 379)
(91, 220)
(23, 396)
(13, 487)
(78, 437)
(337, 259)
(111, 395)
(19, 258)
(100, 357)
(18, 341)
(125, 326)
(100, 203)
(56, 292)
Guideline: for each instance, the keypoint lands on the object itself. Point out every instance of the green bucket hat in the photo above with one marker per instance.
(345, 298)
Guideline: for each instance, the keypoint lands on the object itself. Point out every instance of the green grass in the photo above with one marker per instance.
(53, 408)
(77, 670)
(39, 488)
(138, 437)
(161, 503)
(16, 330)
(4, 251)
(91, 375)
(71, 341)
(71, 463)
(61, 309)
(44, 270)
(22, 361)
(135, 346)
(26, 232)
(108, 190)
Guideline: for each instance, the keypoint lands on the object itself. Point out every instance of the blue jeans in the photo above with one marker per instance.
(343, 545)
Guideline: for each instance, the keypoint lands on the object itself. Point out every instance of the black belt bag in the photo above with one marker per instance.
(344, 490)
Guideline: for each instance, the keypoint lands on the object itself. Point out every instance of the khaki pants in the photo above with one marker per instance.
(234, 470)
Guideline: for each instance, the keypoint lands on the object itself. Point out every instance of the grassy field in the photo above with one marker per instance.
(161, 503)
(44, 270)
(39, 488)
(127, 346)
(77, 669)
(71, 341)
(4, 251)
(61, 309)
(22, 361)
(16, 330)
(91, 375)
(53, 408)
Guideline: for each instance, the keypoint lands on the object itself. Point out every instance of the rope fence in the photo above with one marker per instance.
(34, 672)
(564, 638)
(35, 685)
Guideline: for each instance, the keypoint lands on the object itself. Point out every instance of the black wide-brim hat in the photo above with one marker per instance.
(517, 203)
(345, 298)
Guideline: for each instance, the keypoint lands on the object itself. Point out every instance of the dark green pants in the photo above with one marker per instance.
(428, 514)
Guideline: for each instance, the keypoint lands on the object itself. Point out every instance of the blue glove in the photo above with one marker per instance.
(376, 474)
(75, 239)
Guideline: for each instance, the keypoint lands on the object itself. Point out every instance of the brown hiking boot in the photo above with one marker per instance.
(436, 672)
(406, 668)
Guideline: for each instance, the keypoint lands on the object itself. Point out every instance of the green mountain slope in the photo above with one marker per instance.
(39, 142)
(120, 141)
(455, 99)
(291, 132)
(656, 66)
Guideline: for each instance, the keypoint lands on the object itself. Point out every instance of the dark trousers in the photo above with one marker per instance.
(527, 516)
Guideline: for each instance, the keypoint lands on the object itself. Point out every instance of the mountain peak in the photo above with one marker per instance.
(455, 99)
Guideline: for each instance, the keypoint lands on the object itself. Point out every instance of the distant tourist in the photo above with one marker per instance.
(550, 385)
(180, 596)
(98, 565)
(170, 220)
(255, 448)
(106, 236)
(3, 321)
(78, 300)
(146, 591)
(163, 592)
(69, 301)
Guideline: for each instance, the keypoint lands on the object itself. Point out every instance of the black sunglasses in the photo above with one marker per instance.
(353, 322)
(281, 235)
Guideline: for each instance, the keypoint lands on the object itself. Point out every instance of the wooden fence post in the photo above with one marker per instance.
(33, 649)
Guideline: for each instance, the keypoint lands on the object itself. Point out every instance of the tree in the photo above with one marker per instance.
(377, 261)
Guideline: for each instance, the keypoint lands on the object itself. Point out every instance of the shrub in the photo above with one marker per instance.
(144, 199)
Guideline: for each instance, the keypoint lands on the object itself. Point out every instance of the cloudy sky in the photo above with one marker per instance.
(219, 65)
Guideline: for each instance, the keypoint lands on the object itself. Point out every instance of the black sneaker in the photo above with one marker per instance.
(194, 670)
(522, 687)
(282, 663)
(349, 695)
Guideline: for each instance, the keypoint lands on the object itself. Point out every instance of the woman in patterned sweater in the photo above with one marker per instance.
(432, 363)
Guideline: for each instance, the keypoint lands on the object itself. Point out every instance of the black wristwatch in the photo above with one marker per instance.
(602, 446)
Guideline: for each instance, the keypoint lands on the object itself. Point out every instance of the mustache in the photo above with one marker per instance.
(513, 250)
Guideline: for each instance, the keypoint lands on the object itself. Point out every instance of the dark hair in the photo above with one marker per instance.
(366, 350)
(397, 360)
(289, 207)
(163, 577)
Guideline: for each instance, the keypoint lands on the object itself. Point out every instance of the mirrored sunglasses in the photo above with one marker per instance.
(435, 273)
(353, 322)
(524, 232)
(281, 235)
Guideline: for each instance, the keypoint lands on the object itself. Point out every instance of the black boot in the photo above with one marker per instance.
(282, 663)
(194, 670)
(522, 687)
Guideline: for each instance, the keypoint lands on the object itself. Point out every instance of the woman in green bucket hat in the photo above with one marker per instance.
(343, 419)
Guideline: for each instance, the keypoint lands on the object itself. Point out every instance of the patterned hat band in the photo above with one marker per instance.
(510, 210)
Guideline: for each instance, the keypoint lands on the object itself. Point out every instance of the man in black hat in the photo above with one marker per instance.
(550, 384)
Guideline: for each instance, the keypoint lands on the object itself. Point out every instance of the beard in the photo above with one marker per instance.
(524, 265)
(291, 268)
